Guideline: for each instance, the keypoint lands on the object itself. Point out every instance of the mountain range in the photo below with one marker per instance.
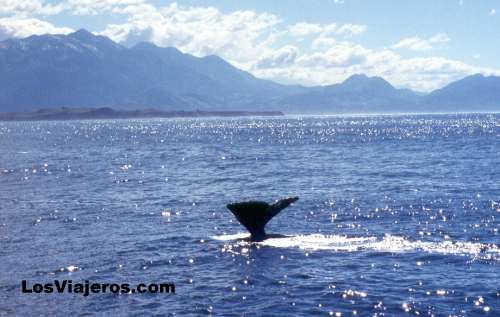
(84, 70)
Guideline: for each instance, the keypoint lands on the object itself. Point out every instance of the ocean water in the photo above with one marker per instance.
(398, 215)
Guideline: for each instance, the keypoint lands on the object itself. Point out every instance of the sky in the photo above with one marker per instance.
(421, 45)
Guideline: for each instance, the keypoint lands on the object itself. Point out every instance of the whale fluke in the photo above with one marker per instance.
(254, 215)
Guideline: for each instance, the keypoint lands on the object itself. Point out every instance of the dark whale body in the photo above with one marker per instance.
(254, 215)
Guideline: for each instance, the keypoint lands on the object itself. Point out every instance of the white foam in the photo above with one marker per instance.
(388, 243)
(230, 237)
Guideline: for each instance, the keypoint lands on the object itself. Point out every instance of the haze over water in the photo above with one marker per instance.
(398, 215)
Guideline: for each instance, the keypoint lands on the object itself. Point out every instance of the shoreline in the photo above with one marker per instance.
(106, 113)
(63, 114)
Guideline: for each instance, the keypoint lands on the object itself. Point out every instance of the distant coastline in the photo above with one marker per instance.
(110, 113)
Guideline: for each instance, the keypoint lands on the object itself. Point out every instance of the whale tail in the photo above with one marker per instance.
(254, 215)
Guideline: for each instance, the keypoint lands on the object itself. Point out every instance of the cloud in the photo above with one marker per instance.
(413, 43)
(23, 27)
(93, 7)
(322, 42)
(418, 44)
(24, 8)
(343, 59)
(239, 36)
(351, 29)
(340, 55)
(282, 57)
(493, 12)
(429, 73)
(303, 29)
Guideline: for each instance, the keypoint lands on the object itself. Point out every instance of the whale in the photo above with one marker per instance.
(254, 215)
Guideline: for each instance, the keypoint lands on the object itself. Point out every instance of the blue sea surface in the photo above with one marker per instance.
(398, 215)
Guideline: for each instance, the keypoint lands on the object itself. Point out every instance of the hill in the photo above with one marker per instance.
(83, 70)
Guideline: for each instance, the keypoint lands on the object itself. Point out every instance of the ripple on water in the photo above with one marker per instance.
(411, 203)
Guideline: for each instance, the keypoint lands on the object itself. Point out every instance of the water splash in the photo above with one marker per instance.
(388, 243)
